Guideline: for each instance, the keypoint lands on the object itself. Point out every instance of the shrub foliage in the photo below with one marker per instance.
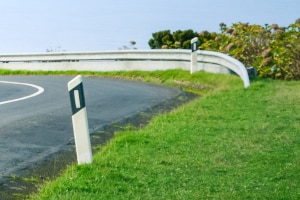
(273, 50)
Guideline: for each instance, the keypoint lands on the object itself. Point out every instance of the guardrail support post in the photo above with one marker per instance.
(194, 60)
(80, 121)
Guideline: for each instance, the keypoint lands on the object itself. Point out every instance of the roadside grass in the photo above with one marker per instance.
(232, 143)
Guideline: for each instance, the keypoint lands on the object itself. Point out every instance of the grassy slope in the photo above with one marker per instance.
(230, 144)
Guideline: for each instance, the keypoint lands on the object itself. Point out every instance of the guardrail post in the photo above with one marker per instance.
(194, 48)
(80, 121)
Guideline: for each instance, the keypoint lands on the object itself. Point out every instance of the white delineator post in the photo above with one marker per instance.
(80, 121)
(194, 48)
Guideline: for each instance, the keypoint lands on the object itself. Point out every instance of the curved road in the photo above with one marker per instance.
(35, 113)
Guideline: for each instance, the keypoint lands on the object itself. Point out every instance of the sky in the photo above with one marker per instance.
(35, 26)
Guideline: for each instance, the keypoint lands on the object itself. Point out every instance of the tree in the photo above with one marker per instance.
(161, 39)
(183, 38)
(178, 40)
(132, 44)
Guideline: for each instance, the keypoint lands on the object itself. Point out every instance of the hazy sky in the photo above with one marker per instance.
(30, 26)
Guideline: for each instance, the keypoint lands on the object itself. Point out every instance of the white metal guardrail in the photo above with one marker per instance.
(125, 60)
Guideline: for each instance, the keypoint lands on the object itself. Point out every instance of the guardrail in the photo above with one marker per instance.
(125, 60)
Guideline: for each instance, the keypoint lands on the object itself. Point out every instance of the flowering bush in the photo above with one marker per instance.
(273, 50)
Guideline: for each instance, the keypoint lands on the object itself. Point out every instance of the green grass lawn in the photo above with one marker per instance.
(232, 143)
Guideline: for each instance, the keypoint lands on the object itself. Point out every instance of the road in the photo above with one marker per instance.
(36, 113)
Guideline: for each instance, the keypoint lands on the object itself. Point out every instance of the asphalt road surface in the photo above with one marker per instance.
(35, 113)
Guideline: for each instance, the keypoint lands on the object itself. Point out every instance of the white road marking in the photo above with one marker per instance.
(40, 90)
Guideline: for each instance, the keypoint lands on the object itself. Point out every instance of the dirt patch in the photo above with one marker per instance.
(27, 181)
(192, 85)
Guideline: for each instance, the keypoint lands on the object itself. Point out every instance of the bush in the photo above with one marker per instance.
(273, 50)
